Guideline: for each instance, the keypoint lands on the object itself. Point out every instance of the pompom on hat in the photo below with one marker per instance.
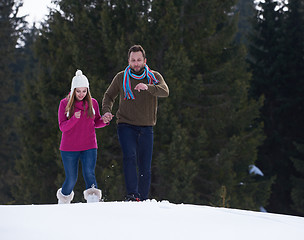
(79, 80)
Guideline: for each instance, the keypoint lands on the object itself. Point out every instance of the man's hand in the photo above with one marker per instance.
(107, 117)
(141, 86)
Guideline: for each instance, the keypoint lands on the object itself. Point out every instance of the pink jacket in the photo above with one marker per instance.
(78, 134)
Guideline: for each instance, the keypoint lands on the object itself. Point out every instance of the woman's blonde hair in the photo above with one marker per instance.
(71, 102)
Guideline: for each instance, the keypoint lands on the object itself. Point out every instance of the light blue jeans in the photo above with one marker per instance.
(71, 164)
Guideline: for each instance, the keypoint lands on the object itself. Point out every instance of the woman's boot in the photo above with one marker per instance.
(92, 195)
(63, 199)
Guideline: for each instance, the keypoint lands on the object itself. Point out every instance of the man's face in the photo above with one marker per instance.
(137, 61)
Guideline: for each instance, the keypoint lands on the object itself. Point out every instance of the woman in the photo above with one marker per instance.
(78, 116)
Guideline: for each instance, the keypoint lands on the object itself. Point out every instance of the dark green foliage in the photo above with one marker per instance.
(36, 175)
(207, 132)
(291, 99)
(11, 29)
(277, 63)
(297, 192)
(212, 132)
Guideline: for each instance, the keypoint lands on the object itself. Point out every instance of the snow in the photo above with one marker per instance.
(255, 170)
(143, 220)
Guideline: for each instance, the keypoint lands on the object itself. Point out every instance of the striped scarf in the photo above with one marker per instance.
(127, 84)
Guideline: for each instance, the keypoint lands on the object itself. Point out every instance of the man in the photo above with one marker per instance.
(139, 88)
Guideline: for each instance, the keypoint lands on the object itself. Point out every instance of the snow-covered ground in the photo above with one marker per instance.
(149, 220)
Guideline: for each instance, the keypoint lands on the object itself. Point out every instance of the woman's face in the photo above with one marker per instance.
(80, 93)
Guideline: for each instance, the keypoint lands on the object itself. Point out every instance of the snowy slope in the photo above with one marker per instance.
(143, 220)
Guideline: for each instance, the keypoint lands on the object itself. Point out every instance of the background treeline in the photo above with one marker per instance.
(236, 80)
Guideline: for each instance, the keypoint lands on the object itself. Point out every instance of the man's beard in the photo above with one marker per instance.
(140, 70)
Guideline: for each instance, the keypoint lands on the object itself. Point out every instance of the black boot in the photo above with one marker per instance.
(132, 198)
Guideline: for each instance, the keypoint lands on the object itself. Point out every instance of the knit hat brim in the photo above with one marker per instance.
(79, 80)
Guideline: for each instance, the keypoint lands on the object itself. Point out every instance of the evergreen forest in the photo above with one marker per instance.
(235, 70)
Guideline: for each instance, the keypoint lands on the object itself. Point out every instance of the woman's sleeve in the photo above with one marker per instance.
(65, 124)
(98, 120)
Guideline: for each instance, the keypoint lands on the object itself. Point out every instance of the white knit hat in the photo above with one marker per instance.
(79, 80)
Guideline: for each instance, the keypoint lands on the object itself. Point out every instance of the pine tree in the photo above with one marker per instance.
(213, 125)
(276, 51)
(69, 40)
(206, 135)
(45, 84)
(291, 98)
(11, 28)
(186, 141)
(297, 193)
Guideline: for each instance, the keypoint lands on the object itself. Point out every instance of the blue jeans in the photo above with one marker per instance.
(137, 146)
(71, 163)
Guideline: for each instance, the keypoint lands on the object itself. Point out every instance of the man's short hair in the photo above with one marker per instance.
(137, 48)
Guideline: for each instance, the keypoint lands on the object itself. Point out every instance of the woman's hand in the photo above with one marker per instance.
(77, 114)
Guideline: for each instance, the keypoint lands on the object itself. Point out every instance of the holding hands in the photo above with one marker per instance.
(107, 117)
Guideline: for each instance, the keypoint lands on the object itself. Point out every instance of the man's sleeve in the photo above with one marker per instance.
(161, 89)
(110, 95)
